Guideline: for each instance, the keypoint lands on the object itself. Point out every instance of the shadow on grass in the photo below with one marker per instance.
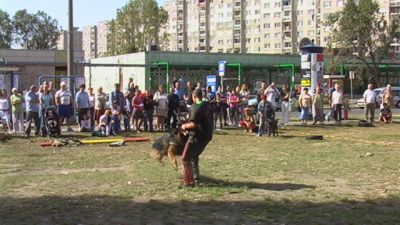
(97, 209)
(209, 181)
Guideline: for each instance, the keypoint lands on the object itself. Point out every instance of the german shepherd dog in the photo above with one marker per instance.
(272, 127)
(171, 144)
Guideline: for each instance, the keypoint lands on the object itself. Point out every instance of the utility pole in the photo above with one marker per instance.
(70, 52)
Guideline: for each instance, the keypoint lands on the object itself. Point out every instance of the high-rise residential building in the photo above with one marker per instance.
(254, 26)
(95, 40)
(62, 42)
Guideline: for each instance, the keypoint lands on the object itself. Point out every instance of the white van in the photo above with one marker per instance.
(379, 92)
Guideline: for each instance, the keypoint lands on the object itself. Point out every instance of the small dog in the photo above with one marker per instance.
(272, 127)
(171, 144)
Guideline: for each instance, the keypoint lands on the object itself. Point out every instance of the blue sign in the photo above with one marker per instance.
(221, 68)
(212, 82)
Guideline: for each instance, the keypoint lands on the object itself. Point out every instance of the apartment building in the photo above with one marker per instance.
(94, 40)
(254, 26)
(62, 42)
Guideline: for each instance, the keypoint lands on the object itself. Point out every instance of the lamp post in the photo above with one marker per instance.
(70, 51)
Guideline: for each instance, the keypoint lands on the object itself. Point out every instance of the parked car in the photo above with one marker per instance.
(379, 92)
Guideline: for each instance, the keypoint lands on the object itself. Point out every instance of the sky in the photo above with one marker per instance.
(86, 12)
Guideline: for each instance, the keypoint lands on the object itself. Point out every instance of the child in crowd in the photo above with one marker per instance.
(346, 107)
(116, 117)
(86, 124)
(386, 114)
(248, 121)
(105, 124)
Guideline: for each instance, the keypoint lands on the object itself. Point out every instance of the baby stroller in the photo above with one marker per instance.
(52, 125)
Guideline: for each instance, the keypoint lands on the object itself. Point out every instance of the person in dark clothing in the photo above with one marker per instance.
(200, 127)
(148, 103)
(173, 106)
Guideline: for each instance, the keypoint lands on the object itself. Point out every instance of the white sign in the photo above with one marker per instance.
(2, 85)
(306, 65)
(15, 81)
(351, 75)
(221, 68)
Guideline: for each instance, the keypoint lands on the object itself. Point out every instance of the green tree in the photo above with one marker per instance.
(6, 30)
(35, 31)
(138, 23)
(360, 30)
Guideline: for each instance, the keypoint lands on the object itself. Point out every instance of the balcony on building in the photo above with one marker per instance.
(286, 18)
(287, 5)
(287, 38)
(236, 33)
(202, 34)
(287, 29)
(237, 5)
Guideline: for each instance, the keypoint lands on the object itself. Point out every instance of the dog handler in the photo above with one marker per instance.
(200, 127)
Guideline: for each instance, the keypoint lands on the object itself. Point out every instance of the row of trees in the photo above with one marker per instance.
(29, 30)
(360, 32)
(138, 24)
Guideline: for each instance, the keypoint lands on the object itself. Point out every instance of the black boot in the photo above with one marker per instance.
(196, 170)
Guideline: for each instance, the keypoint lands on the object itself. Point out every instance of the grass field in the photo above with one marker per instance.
(351, 177)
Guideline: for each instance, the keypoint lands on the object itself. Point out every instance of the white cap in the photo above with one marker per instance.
(62, 83)
(14, 89)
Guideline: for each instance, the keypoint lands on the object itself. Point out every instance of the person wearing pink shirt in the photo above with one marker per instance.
(234, 101)
(137, 104)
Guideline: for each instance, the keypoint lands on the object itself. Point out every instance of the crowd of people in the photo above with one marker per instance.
(136, 110)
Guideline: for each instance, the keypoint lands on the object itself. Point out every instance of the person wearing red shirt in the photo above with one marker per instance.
(137, 104)
(234, 107)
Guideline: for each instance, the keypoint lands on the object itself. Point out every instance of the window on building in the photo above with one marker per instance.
(277, 35)
(277, 14)
(299, 12)
(257, 40)
(267, 15)
(327, 4)
(257, 12)
(268, 45)
(267, 25)
(248, 40)
(220, 42)
(267, 5)
(277, 45)
(267, 35)
(276, 25)
(340, 3)
(310, 11)
(299, 23)
(309, 22)
(277, 4)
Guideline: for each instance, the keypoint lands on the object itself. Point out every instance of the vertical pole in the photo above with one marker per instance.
(90, 73)
(167, 89)
(351, 88)
(70, 51)
(292, 78)
(240, 73)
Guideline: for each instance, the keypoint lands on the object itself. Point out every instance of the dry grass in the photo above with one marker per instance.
(247, 180)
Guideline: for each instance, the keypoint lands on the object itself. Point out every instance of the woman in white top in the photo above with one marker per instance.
(337, 103)
(4, 110)
(161, 111)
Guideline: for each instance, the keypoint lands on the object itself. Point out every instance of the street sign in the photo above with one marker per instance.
(305, 82)
(221, 68)
(212, 82)
(351, 75)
